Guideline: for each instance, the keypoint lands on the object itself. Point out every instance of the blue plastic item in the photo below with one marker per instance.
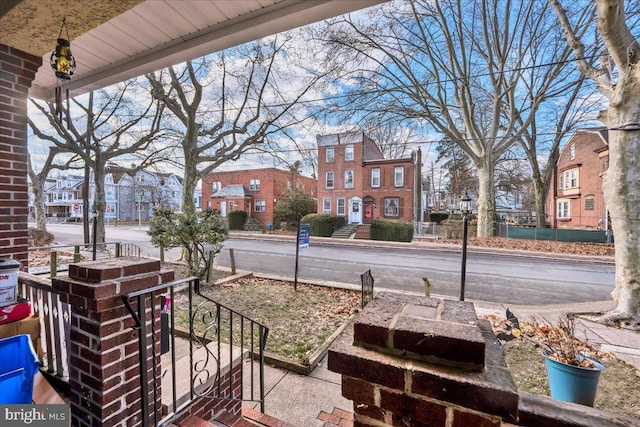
(18, 366)
(573, 383)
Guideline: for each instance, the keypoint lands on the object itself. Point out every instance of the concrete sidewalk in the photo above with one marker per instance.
(309, 401)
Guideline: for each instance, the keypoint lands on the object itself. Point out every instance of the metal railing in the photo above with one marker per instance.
(219, 339)
(55, 322)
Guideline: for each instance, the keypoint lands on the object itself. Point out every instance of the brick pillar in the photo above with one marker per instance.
(17, 71)
(414, 361)
(104, 366)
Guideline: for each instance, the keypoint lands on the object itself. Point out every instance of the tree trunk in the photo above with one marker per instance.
(99, 201)
(486, 198)
(189, 183)
(621, 187)
(539, 195)
(37, 186)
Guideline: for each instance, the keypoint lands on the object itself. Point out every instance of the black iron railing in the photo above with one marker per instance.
(219, 339)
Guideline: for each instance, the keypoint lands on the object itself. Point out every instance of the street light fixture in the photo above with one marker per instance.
(465, 208)
(94, 215)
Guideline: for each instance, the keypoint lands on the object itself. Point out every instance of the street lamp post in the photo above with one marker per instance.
(465, 208)
(94, 215)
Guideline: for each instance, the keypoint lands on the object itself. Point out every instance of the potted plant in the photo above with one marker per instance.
(573, 374)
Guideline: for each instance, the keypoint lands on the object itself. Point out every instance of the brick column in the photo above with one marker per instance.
(414, 361)
(17, 71)
(104, 366)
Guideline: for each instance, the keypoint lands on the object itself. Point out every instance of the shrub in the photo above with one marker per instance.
(39, 237)
(323, 225)
(394, 231)
(236, 219)
(454, 228)
(200, 235)
(438, 217)
(296, 202)
(253, 224)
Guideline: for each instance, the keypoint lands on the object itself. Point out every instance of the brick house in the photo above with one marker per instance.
(255, 191)
(358, 183)
(575, 198)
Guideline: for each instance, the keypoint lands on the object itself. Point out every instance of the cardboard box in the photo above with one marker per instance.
(29, 326)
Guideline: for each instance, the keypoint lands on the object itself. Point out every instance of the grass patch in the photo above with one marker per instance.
(299, 321)
(618, 388)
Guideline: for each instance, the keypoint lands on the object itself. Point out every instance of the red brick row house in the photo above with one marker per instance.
(357, 182)
(255, 191)
(575, 198)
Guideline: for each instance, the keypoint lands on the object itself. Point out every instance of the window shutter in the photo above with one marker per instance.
(405, 178)
(381, 177)
(400, 207)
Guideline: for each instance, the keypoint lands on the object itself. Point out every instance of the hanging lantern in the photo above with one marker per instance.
(64, 65)
(62, 61)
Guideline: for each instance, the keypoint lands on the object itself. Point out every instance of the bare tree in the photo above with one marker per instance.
(393, 139)
(38, 180)
(118, 125)
(621, 183)
(459, 68)
(227, 104)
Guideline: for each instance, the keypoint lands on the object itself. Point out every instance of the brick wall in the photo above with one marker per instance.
(412, 361)
(590, 161)
(17, 71)
(361, 165)
(273, 187)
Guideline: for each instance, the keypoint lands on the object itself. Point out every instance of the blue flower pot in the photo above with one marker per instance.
(573, 383)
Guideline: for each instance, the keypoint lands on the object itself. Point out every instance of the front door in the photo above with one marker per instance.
(223, 209)
(355, 210)
(368, 213)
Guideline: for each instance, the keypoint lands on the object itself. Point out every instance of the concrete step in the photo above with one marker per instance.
(345, 232)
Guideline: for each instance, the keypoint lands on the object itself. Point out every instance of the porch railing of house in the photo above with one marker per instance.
(215, 332)
(55, 322)
(366, 279)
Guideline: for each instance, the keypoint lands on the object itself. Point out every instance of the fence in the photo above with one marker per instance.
(367, 287)
(557, 234)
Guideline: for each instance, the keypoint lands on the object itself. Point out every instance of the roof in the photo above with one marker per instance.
(113, 41)
(232, 190)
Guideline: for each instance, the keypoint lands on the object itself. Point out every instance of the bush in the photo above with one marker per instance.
(454, 228)
(323, 225)
(39, 237)
(393, 231)
(438, 217)
(253, 224)
(296, 202)
(75, 219)
(236, 219)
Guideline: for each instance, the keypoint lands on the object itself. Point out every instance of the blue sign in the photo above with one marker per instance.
(303, 239)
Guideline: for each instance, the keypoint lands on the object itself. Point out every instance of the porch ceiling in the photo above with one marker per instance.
(113, 40)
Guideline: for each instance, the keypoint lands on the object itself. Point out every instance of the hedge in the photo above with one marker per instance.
(394, 231)
(236, 219)
(323, 225)
(438, 217)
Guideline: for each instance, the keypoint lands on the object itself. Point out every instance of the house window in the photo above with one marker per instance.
(288, 185)
(398, 176)
(348, 178)
(326, 206)
(254, 184)
(563, 209)
(329, 155)
(375, 177)
(260, 206)
(574, 178)
(561, 182)
(392, 206)
(572, 150)
(589, 203)
(215, 186)
(329, 179)
(341, 205)
(566, 180)
(348, 153)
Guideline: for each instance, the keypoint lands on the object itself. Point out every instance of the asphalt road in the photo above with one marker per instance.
(506, 278)
(490, 277)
